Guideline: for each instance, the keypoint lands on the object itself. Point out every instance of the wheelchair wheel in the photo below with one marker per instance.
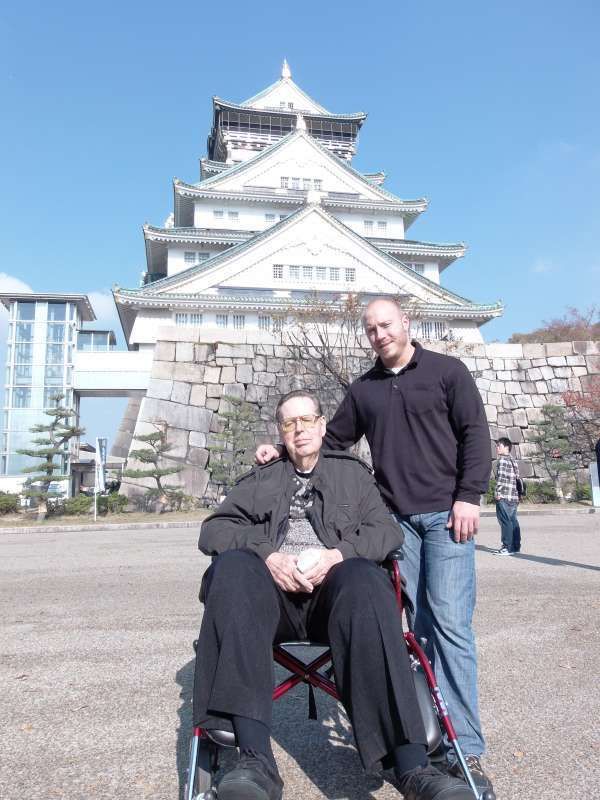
(205, 769)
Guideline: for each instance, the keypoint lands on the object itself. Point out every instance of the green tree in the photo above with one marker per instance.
(152, 455)
(50, 442)
(232, 449)
(552, 434)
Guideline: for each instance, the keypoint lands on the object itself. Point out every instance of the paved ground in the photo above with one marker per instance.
(96, 666)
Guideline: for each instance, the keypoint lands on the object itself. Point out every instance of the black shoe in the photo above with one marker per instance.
(253, 778)
(482, 781)
(428, 783)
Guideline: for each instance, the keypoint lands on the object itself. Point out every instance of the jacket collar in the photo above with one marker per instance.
(412, 364)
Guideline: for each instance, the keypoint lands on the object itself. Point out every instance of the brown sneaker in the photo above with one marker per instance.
(482, 782)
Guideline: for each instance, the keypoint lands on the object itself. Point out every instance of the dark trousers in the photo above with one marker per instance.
(510, 530)
(354, 611)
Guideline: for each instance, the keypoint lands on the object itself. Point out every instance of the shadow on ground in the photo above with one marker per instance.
(322, 751)
(553, 562)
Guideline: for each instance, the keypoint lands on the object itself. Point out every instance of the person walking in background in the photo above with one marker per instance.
(507, 499)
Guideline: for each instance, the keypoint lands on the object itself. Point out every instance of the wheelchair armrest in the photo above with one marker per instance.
(395, 555)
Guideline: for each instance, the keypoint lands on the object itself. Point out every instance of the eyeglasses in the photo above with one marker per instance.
(308, 421)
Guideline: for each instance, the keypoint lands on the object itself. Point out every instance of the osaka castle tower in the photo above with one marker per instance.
(280, 218)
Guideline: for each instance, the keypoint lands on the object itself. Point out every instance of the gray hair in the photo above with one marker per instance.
(299, 393)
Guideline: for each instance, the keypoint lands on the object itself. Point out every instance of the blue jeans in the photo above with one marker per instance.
(440, 577)
(510, 529)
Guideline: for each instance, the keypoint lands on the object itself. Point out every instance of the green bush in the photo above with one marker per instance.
(9, 503)
(490, 496)
(81, 504)
(541, 492)
(582, 492)
(113, 503)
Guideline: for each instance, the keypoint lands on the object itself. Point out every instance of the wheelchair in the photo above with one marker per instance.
(204, 746)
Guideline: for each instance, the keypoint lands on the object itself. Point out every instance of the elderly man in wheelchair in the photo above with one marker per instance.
(297, 549)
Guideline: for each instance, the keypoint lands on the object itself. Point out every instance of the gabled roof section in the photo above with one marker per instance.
(371, 190)
(285, 91)
(423, 286)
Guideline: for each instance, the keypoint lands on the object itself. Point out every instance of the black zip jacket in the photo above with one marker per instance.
(427, 430)
(348, 512)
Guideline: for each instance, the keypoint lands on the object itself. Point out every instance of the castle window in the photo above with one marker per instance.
(418, 268)
(307, 273)
(318, 184)
(382, 226)
(350, 274)
(368, 223)
(306, 183)
(264, 323)
(295, 183)
(239, 321)
(270, 218)
(189, 258)
(222, 320)
(278, 271)
(321, 273)
(233, 214)
(284, 182)
(294, 273)
(334, 273)
(218, 213)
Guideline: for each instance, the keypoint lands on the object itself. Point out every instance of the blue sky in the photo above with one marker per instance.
(490, 110)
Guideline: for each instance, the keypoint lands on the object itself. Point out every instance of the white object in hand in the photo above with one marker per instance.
(307, 560)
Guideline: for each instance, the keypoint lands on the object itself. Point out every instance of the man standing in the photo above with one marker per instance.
(425, 423)
(507, 499)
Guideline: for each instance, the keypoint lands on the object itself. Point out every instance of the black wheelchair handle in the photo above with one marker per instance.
(395, 555)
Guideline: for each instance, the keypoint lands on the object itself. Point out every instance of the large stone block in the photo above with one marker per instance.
(259, 363)
(584, 348)
(275, 365)
(524, 363)
(491, 412)
(197, 456)
(227, 374)
(470, 363)
(164, 370)
(224, 362)
(174, 333)
(264, 350)
(159, 389)
(494, 399)
(559, 385)
(482, 363)
(282, 352)
(234, 390)
(576, 361)
(504, 375)
(498, 387)
(559, 349)
(265, 378)
(212, 403)
(563, 372)
(520, 417)
(234, 350)
(197, 439)
(524, 401)
(202, 353)
(528, 449)
(176, 415)
(184, 351)
(534, 350)
(256, 394)
(212, 374)
(489, 374)
(483, 394)
(181, 392)
(593, 364)
(498, 364)
(198, 395)
(505, 418)
(579, 371)
(527, 387)
(188, 372)
(541, 387)
(513, 387)
(482, 383)
(535, 374)
(525, 469)
(547, 373)
(244, 374)
(534, 415)
(164, 351)
(557, 361)
(515, 435)
(178, 442)
(214, 390)
(499, 350)
(508, 402)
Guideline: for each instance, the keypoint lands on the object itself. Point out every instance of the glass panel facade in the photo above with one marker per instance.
(25, 310)
(84, 340)
(55, 354)
(57, 312)
(24, 332)
(56, 333)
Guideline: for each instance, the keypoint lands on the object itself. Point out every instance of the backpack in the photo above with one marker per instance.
(521, 488)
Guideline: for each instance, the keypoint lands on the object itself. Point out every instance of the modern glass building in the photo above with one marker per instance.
(43, 334)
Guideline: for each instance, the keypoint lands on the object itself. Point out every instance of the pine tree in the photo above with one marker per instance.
(552, 434)
(50, 441)
(229, 454)
(158, 447)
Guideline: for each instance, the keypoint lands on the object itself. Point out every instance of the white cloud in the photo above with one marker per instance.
(542, 266)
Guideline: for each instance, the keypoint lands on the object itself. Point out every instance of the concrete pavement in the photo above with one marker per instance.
(96, 667)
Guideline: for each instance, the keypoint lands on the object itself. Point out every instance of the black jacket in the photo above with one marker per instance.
(427, 430)
(348, 512)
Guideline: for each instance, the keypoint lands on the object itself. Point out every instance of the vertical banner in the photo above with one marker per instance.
(100, 483)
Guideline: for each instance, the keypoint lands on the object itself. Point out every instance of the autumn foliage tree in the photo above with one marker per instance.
(583, 410)
(573, 326)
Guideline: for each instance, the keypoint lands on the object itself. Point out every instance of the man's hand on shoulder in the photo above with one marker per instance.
(285, 573)
(327, 558)
(267, 452)
(464, 520)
